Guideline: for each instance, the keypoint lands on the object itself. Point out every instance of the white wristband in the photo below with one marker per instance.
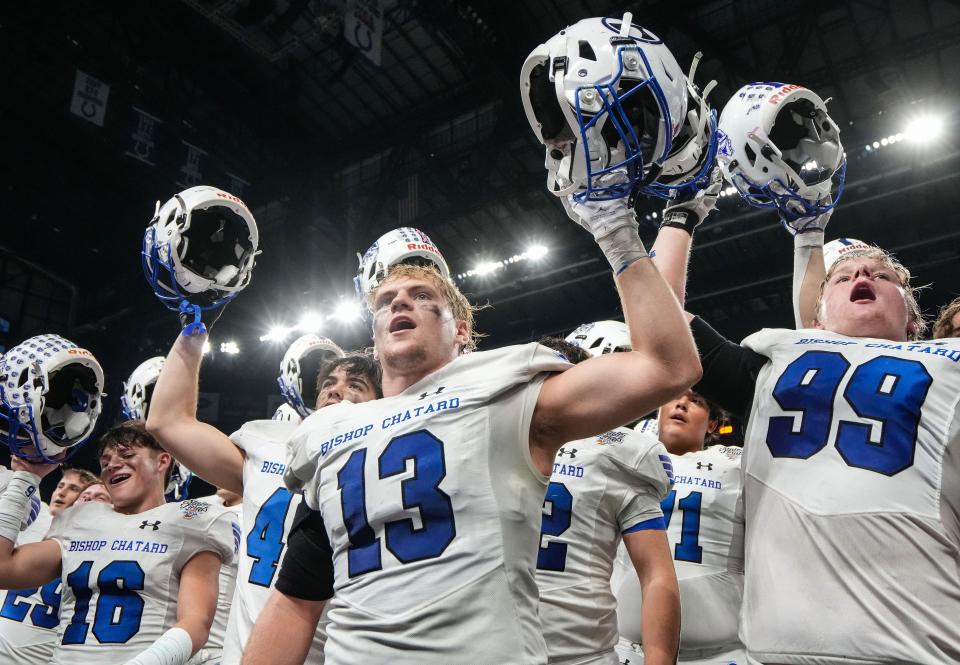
(15, 502)
(173, 648)
(808, 239)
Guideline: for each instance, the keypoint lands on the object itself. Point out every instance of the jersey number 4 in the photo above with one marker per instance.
(265, 540)
(420, 491)
(885, 389)
(119, 606)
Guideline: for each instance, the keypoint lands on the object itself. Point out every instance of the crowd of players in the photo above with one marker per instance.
(430, 503)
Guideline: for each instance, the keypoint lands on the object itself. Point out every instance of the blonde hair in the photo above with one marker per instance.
(943, 327)
(916, 325)
(460, 307)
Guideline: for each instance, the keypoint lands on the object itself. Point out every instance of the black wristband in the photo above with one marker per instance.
(680, 219)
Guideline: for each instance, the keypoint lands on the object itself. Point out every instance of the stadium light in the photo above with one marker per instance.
(486, 268)
(310, 322)
(536, 252)
(924, 129)
(230, 347)
(276, 334)
(348, 310)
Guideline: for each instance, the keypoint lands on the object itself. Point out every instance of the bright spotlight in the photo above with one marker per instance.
(923, 129)
(276, 334)
(884, 141)
(869, 147)
(537, 252)
(876, 144)
(310, 322)
(348, 310)
(486, 268)
(229, 347)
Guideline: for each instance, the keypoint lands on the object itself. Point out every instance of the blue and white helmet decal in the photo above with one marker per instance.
(606, 98)
(401, 245)
(50, 397)
(781, 149)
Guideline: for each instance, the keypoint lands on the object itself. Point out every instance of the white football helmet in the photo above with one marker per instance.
(402, 245)
(179, 483)
(603, 95)
(299, 368)
(780, 149)
(51, 393)
(286, 412)
(601, 337)
(138, 389)
(834, 249)
(199, 249)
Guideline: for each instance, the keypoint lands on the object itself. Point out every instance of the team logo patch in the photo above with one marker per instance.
(191, 508)
(611, 438)
(732, 453)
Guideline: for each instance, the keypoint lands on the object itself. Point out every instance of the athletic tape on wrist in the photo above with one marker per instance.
(15, 502)
(174, 647)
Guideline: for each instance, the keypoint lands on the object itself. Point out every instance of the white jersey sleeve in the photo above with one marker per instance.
(213, 649)
(121, 574)
(267, 515)
(432, 506)
(704, 517)
(29, 618)
(600, 488)
(852, 484)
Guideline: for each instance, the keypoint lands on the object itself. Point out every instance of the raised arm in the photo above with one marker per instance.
(808, 273)
(606, 392)
(172, 418)
(35, 563)
(660, 615)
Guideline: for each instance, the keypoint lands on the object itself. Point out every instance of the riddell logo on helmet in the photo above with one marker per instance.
(231, 197)
(421, 246)
(79, 352)
(778, 96)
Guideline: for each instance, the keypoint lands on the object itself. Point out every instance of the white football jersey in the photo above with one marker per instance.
(704, 516)
(852, 496)
(29, 618)
(432, 506)
(212, 651)
(121, 574)
(600, 488)
(267, 510)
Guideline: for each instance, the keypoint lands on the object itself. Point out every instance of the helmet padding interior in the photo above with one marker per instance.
(216, 239)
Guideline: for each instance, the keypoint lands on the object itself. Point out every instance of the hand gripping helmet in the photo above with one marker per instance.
(601, 337)
(138, 389)
(781, 150)
(199, 249)
(179, 483)
(694, 151)
(834, 249)
(51, 394)
(603, 95)
(285, 412)
(403, 245)
(299, 368)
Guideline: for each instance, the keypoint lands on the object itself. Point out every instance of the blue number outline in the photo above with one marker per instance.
(553, 555)
(363, 553)
(112, 596)
(269, 513)
(689, 527)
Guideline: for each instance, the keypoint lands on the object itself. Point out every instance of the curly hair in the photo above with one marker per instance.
(943, 327)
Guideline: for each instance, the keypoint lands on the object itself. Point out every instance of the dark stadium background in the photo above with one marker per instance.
(334, 150)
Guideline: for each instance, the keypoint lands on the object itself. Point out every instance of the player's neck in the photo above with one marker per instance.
(396, 379)
(148, 502)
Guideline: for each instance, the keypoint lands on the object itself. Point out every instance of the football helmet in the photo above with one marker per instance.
(179, 483)
(51, 393)
(138, 389)
(402, 245)
(603, 94)
(198, 251)
(299, 368)
(780, 148)
(601, 337)
(834, 249)
(287, 413)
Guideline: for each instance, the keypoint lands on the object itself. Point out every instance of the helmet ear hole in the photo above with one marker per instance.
(586, 51)
(543, 101)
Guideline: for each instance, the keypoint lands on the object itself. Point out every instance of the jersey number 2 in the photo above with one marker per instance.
(421, 491)
(886, 389)
(553, 555)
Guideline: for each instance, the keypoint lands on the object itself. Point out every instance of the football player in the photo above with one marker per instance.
(251, 463)
(704, 515)
(140, 576)
(603, 491)
(95, 492)
(431, 498)
(948, 321)
(73, 482)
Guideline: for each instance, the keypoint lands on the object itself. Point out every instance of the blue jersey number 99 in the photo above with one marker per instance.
(421, 491)
(885, 389)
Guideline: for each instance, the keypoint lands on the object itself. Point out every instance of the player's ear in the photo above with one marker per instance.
(462, 336)
(712, 426)
(164, 460)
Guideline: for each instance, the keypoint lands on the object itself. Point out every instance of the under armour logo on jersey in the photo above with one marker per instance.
(572, 452)
(709, 465)
(435, 392)
(156, 525)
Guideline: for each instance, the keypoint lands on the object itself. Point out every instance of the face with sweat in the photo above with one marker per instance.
(684, 423)
(414, 328)
(865, 294)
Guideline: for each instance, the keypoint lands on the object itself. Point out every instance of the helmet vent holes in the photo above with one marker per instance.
(22, 379)
(586, 52)
(750, 154)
